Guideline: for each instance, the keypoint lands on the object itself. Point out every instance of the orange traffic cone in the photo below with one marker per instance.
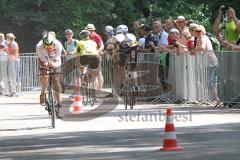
(170, 138)
(77, 105)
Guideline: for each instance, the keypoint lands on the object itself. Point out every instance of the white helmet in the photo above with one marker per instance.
(122, 29)
(109, 29)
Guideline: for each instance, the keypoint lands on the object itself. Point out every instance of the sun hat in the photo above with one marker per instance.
(90, 27)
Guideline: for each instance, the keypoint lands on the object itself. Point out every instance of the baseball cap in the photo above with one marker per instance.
(174, 30)
(145, 27)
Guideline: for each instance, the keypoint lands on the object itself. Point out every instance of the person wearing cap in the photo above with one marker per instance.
(98, 39)
(49, 51)
(173, 45)
(182, 27)
(110, 44)
(3, 64)
(13, 64)
(146, 43)
(111, 49)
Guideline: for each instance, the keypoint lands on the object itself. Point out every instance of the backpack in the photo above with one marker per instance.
(215, 43)
(127, 45)
(75, 44)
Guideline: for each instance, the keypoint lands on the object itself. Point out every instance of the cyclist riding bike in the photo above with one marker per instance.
(49, 51)
(127, 49)
(87, 52)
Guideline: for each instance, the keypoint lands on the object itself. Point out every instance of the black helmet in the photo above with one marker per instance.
(84, 33)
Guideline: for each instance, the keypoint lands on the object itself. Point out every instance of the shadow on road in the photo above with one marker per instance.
(206, 142)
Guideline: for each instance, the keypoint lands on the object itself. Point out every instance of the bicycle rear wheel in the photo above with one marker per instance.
(125, 97)
(91, 92)
(84, 90)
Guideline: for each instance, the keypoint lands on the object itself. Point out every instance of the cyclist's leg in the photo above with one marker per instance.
(44, 83)
(100, 80)
(122, 59)
(83, 62)
(93, 63)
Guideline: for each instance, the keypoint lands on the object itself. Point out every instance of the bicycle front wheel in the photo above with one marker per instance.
(51, 103)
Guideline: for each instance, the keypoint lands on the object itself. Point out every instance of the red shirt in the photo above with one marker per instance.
(97, 38)
(170, 40)
(14, 55)
(190, 44)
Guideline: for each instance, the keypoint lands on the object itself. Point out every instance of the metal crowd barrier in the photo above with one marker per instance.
(190, 76)
(185, 78)
(229, 75)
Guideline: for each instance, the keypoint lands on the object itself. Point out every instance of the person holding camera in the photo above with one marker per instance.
(227, 28)
(146, 43)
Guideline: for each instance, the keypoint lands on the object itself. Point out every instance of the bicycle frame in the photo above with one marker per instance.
(51, 103)
(128, 85)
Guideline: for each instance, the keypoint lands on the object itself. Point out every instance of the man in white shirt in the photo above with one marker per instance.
(49, 52)
(160, 36)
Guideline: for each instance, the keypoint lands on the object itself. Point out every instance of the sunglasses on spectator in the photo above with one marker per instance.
(198, 31)
(69, 34)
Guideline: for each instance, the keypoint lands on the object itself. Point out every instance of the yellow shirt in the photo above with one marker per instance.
(231, 33)
(87, 47)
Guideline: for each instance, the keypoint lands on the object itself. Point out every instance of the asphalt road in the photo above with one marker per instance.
(113, 133)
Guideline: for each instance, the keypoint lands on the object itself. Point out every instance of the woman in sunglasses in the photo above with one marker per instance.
(205, 49)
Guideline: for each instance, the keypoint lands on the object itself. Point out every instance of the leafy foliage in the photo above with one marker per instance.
(28, 18)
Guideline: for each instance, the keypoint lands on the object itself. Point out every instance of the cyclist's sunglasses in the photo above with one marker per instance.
(50, 48)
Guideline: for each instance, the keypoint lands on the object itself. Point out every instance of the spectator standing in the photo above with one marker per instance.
(111, 50)
(3, 64)
(13, 65)
(210, 62)
(136, 26)
(226, 29)
(160, 36)
(98, 39)
(70, 50)
(169, 24)
(146, 43)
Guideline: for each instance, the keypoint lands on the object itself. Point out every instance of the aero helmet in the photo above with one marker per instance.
(122, 28)
(48, 40)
